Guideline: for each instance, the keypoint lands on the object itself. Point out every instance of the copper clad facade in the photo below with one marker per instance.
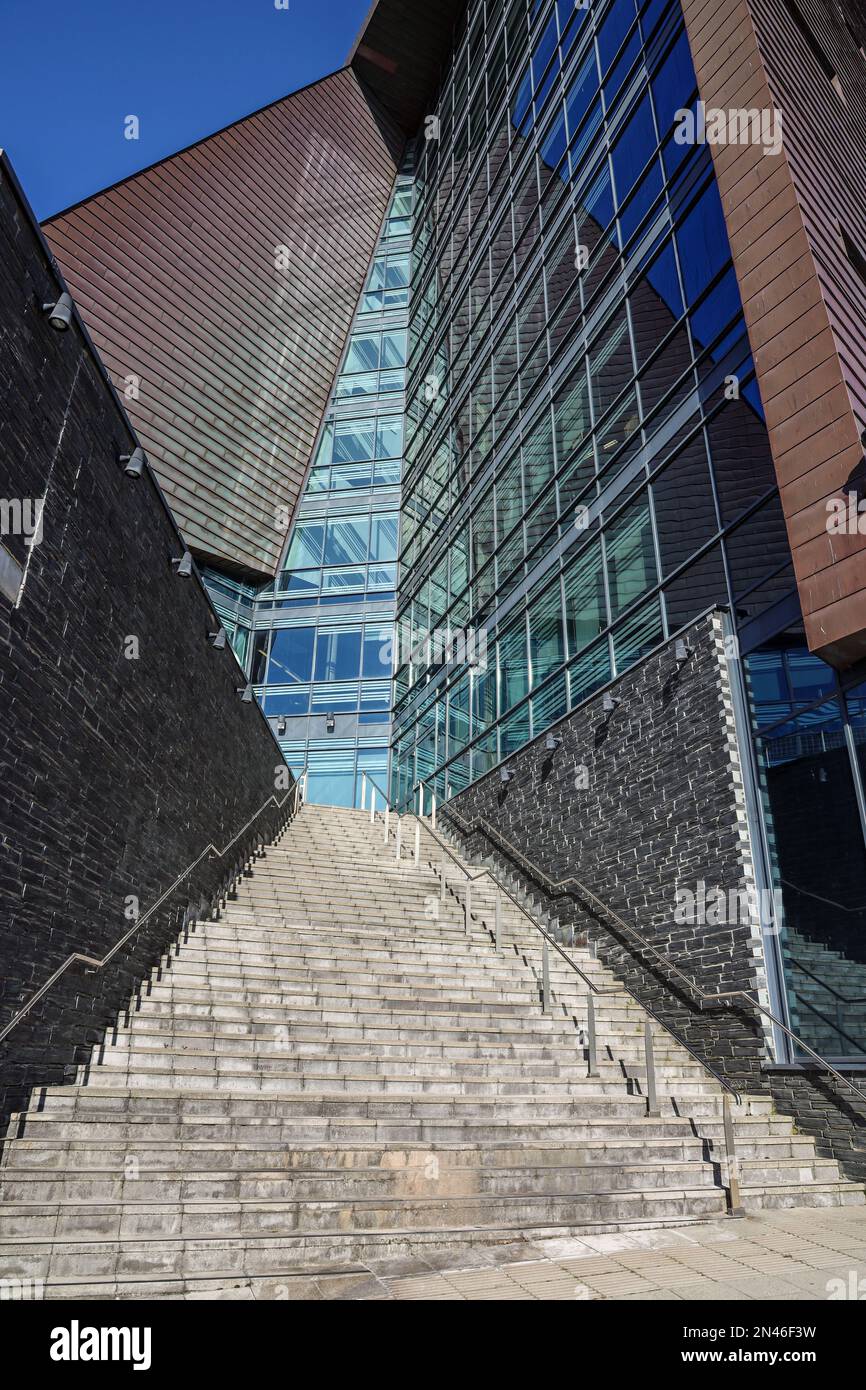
(220, 284)
(401, 51)
(805, 304)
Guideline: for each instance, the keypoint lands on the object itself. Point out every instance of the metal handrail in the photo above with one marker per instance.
(559, 889)
(211, 851)
(731, 1165)
(551, 940)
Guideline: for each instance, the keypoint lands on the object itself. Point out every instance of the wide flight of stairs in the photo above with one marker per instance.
(334, 1073)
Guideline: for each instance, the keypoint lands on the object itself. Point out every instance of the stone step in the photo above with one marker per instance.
(247, 1076)
(156, 1221)
(134, 1268)
(150, 1099)
(181, 1053)
(155, 1032)
(333, 1069)
(30, 1191)
(213, 1156)
(524, 1016)
(205, 1125)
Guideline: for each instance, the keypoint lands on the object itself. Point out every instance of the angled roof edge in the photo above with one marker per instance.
(193, 145)
(400, 54)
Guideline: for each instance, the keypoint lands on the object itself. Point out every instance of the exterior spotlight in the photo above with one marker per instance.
(184, 565)
(59, 314)
(282, 726)
(330, 723)
(218, 640)
(246, 694)
(682, 652)
(505, 774)
(611, 702)
(552, 742)
(134, 462)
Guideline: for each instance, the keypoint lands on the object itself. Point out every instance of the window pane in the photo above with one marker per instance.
(631, 562)
(363, 355)
(513, 667)
(585, 608)
(353, 441)
(291, 656)
(338, 655)
(378, 648)
(306, 547)
(546, 635)
(347, 540)
(383, 546)
(389, 437)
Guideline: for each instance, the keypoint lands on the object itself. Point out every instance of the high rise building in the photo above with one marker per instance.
(576, 291)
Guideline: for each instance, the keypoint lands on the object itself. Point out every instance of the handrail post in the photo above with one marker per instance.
(732, 1163)
(372, 805)
(364, 792)
(420, 798)
(652, 1100)
(545, 977)
(497, 925)
(417, 844)
(433, 811)
(591, 1038)
(387, 822)
(468, 905)
(442, 885)
(399, 852)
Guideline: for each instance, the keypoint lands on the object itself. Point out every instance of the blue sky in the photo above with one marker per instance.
(73, 70)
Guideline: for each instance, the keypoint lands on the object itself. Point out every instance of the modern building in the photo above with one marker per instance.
(577, 291)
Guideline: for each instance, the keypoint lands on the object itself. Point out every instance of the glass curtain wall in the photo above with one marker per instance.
(318, 643)
(587, 468)
(587, 465)
(322, 645)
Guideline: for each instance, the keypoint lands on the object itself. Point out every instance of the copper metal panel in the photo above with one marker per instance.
(805, 305)
(175, 273)
(400, 53)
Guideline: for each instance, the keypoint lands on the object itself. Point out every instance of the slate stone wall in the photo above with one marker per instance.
(637, 803)
(117, 770)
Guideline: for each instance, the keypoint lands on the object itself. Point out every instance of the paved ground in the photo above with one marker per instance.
(796, 1255)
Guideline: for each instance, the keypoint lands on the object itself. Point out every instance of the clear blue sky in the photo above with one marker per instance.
(74, 69)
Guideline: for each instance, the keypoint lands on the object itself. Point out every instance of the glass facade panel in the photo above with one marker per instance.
(578, 488)
(319, 641)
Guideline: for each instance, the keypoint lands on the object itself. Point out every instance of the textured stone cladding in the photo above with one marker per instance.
(660, 806)
(116, 773)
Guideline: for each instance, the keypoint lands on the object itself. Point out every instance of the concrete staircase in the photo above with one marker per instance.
(335, 1073)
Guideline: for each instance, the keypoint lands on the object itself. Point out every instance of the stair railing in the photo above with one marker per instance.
(573, 887)
(730, 1167)
(297, 793)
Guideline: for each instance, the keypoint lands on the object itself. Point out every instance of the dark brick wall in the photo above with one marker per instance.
(116, 773)
(662, 808)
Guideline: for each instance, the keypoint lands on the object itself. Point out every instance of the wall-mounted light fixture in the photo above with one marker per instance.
(134, 462)
(184, 565)
(59, 313)
(610, 703)
(505, 774)
(246, 694)
(552, 742)
(330, 723)
(282, 726)
(682, 652)
(218, 640)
